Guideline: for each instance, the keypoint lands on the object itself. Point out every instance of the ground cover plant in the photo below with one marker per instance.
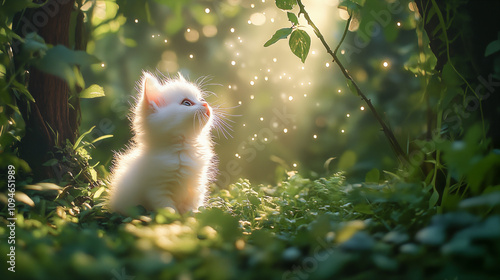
(393, 175)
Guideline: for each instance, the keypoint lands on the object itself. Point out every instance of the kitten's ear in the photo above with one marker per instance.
(151, 89)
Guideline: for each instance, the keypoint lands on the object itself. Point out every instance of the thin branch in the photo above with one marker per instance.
(401, 155)
(344, 34)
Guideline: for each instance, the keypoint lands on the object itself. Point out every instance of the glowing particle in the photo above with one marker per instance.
(342, 51)
(152, 36)
(268, 70)
(265, 139)
(165, 41)
(385, 64)
(342, 131)
(244, 125)
(239, 102)
(362, 108)
(232, 30)
(191, 56)
(305, 94)
(274, 59)
(136, 20)
(272, 19)
(303, 67)
(237, 54)
(236, 155)
(253, 139)
(229, 86)
(255, 78)
(398, 23)
(294, 165)
(252, 6)
(348, 115)
(315, 136)
(339, 91)
(327, 64)
(103, 65)
(207, 10)
(313, 52)
(249, 22)
(266, 78)
(233, 62)
(285, 130)
(188, 30)
(255, 135)
(252, 96)
(252, 83)
(290, 98)
(261, 119)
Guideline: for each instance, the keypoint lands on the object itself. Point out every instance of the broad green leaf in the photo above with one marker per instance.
(373, 176)
(280, 34)
(300, 42)
(492, 48)
(285, 4)
(293, 18)
(92, 91)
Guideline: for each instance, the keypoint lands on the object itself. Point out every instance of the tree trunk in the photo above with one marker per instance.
(51, 119)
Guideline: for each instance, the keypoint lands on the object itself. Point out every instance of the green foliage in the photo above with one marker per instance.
(318, 228)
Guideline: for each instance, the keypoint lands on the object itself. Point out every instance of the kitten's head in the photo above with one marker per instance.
(175, 108)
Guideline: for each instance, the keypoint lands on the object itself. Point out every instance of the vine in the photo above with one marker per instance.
(299, 43)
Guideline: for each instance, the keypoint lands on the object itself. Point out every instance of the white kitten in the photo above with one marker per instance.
(170, 160)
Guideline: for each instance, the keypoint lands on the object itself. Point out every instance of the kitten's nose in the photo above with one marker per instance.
(206, 106)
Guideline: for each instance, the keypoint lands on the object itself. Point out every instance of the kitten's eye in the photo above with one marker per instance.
(187, 102)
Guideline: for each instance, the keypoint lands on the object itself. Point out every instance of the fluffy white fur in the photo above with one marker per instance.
(170, 159)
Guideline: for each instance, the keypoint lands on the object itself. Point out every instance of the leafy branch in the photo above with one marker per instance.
(299, 45)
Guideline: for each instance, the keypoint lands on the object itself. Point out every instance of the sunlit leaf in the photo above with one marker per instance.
(285, 4)
(300, 42)
(292, 18)
(280, 34)
(22, 197)
(92, 91)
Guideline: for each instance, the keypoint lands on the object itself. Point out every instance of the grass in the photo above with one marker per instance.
(298, 229)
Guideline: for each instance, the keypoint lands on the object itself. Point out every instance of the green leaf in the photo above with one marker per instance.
(300, 42)
(347, 160)
(492, 48)
(351, 5)
(77, 142)
(62, 62)
(280, 34)
(292, 18)
(92, 91)
(285, 4)
(373, 176)
(434, 199)
(101, 138)
(351, 87)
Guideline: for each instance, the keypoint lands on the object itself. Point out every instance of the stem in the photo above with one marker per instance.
(387, 131)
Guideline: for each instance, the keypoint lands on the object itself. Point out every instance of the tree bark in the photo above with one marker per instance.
(51, 119)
